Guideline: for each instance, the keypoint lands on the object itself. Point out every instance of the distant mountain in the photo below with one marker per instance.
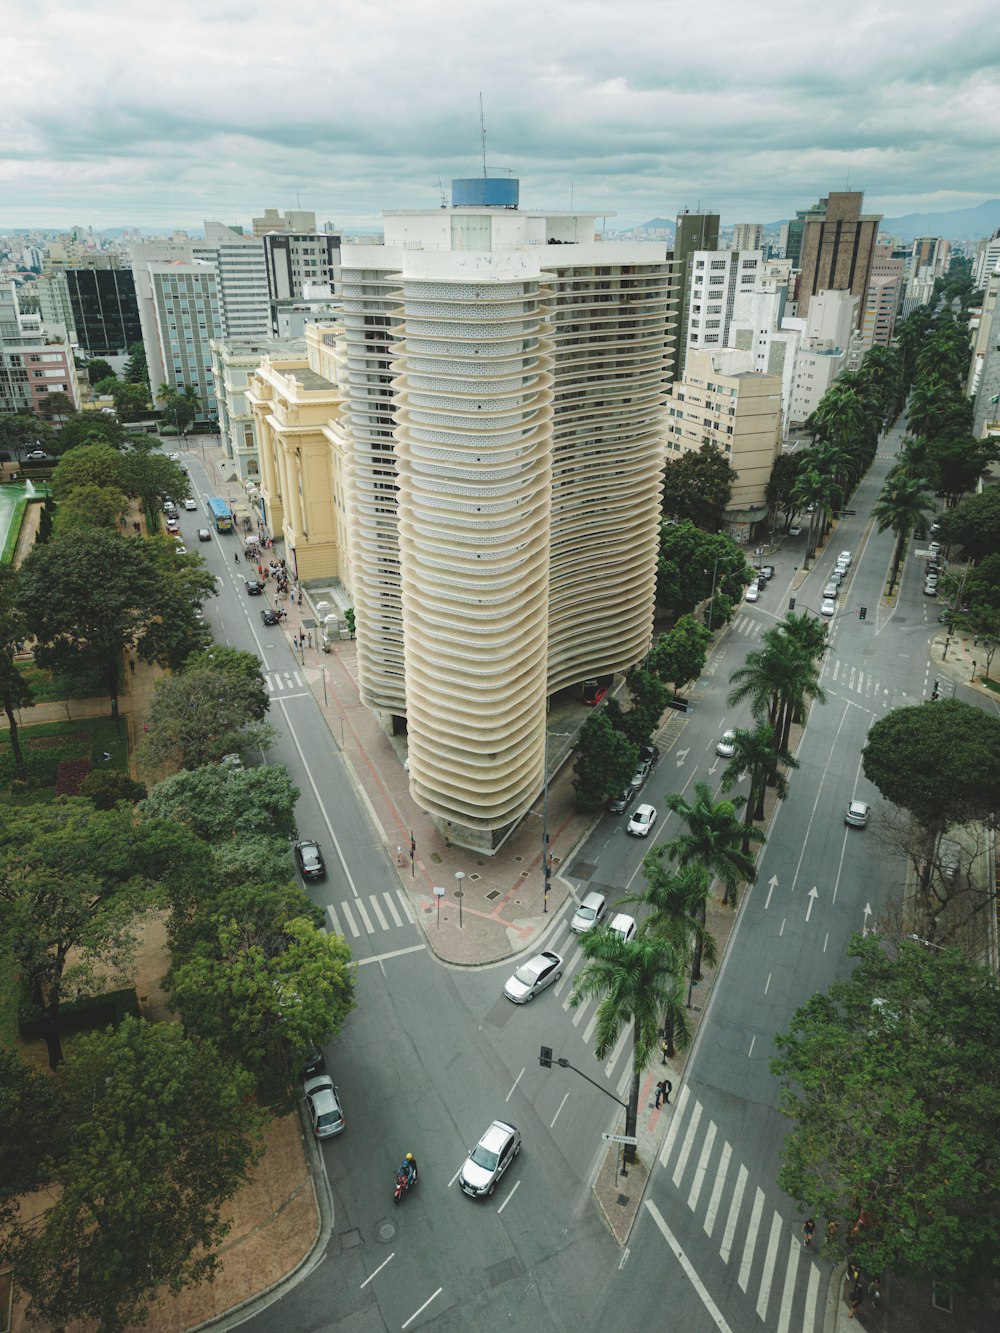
(657, 224)
(958, 224)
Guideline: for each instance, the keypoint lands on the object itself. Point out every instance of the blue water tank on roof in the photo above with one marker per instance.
(485, 192)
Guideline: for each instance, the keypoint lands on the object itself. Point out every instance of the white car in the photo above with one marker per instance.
(589, 913)
(795, 530)
(642, 821)
(325, 1113)
(844, 558)
(623, 926)
(857, 814)
(533, 976)
(752, 593)
(727, 745)
(489, 1159)
(190, 504)
(829, 608)
(831, 590)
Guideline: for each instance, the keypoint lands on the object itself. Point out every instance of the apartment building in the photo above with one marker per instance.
(34, 360)
(748, 236)
(723, 401)
(883, 297)
(827, 334)
(493, 452)
(987, 259)
(694, 231)
(838, 246)
(717, 281)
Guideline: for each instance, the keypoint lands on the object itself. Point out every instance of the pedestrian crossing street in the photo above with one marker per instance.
(773, 1268)
(367, 914)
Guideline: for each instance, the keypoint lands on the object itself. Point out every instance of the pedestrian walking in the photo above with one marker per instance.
(292, 594)
(808, 1231)
(310, 636)
(875, 1291)
(236, 557)
(131, 665)
(668, 1088)
(260, 570)
(857, 1299)
(660, 1090)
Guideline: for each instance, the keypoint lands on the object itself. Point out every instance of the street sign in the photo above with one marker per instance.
(620, 1138)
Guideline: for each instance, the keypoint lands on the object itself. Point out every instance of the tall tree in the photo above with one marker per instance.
(20, 432)
(713, 838)
(89, 598)
(606, 759)
(73, 883)
(638, 981)
(136, 370)
(698, 486)
(157, 1134)
(90, 428)
(974, 524)
(906, 1164)
(201, 713)
(93, 507)
(87, 465)
(15, 692)
(56, 407)
(99, 369)
(902, 506)
(691, 562)
(220, 804)
(757, 756)
(679, 657)
(180, 406)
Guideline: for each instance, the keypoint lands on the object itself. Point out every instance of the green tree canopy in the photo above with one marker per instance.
(15, 692)
(56, 407)
(150, 476)
(606, 759)
(96, 594)
(200, 714)
(243, 669)
(781, 484)
(158, 1133)
(98, 370)
(256, 992)
(892, 1083)
(93, 507)
(974, 524)
(28, 1109)
(136, 370)
(90, 428)
(698, 486)
(21, 432)
(74, 882)
(87, 465)
(712, 838)
(679, 657)
(687, 562)
(220, 804)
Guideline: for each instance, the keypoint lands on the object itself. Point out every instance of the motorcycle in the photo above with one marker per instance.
(404, 1179)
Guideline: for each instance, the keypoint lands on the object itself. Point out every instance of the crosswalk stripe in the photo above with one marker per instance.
(720, 1182)
(333, 919)
(751, 1240)
(588, 1031)
(405, 906)
(812, 1295)
(788, 1293)
(699, 1175)
(626, 1035)
(359, 904)
(392, 909)
(726, 1248)
(675, 1125)
(378, 912)
(688, 1140)
(350, 919)
(770, 1255)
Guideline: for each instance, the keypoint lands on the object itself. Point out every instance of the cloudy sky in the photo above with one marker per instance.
(132, 113)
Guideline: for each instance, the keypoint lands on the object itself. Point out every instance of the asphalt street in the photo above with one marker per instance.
(433, 1053)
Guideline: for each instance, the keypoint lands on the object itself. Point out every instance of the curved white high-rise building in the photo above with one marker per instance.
(505, 421)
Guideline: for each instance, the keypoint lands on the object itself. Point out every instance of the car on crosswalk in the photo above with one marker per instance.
(590, 913)
(532, 977)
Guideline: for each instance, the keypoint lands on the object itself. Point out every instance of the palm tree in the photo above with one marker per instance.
(779, 678)
(812, 492)
(902, 505)
(677, 899)
(758, 756)
(713, 839)
(639, 981)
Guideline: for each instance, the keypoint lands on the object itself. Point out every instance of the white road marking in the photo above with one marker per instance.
(559, 1108)
(350, 920)
(788, 1293)
(514, 1189)
(359, 904)
(378, 1270)
(681, 1162)
(513, 1086)
(751, 1240)
(699, 1175)
(720, 1183)
(391, 906)
(764, 1292)
(395, 953)
(726, 1248)
(675, 1126)
(422, 1308)
(378, 912)
(714, 1312)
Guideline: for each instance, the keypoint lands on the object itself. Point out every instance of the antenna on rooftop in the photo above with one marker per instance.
(482, 130)
(444, 201)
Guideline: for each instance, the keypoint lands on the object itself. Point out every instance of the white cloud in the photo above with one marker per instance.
(161, 115)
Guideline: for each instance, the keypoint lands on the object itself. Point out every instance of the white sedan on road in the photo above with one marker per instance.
(642, 821)
(533, 976)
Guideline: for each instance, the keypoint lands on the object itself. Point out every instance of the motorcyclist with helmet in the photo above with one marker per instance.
(409, 1169)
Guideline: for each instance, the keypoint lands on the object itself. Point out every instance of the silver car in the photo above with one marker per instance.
(829, 608)
(589, 913)
(857, 814)
(489, 1159)
(533, 976)
(325, 1114)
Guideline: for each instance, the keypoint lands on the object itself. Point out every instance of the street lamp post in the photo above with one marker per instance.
(918, 939)
(711, 600)
(460, 894)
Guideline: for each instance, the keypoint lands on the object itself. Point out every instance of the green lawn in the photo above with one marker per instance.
(51, 743)
(47, 688)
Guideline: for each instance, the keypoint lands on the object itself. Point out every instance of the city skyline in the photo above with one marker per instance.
(639, 112)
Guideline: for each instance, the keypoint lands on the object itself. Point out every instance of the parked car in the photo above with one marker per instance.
(325, 1113)
(309, 859)
(795, 530)
(828, 608)
(254, 587)
(930, 590)
(619, 804)
(590, 912)
(831, 590)
(270, 616)
(533, 976)
(649, 754)
(767, 572)
(623, 926)
(313, 1063)
(36, 455)
(190, 504)
(489, 1159)
(642, 821)
(844, 558)
(180, 550)
(857, 814)
(727, 745)
(752, 593)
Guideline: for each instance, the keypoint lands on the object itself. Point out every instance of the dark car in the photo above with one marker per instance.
(270, 616)
(309, 859)
(621, 803)
(254, 587)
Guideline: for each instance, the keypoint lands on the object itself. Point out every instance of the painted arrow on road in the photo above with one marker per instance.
(867, 913)
(681, 756)
(813, 895)
(772, 884)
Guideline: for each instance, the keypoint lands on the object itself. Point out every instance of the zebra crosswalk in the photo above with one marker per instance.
(365, 915)
(774, 1270)
(855, 681)
(283, 682)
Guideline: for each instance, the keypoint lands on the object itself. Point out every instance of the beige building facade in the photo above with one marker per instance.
(723, 401)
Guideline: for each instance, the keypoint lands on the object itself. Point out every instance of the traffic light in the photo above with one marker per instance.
(545, 1057)
(862, 613)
